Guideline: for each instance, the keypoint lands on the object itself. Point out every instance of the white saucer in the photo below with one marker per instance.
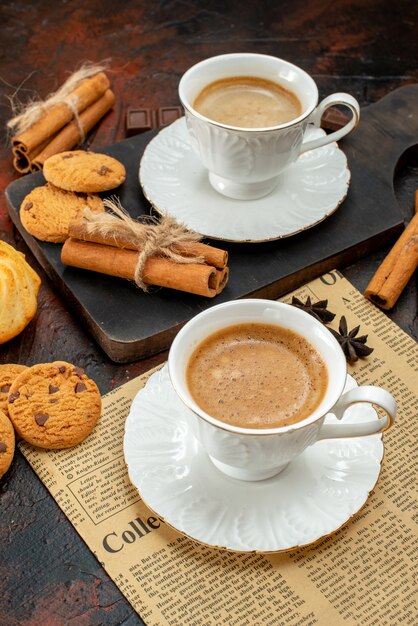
(314, 496)
(175, 182)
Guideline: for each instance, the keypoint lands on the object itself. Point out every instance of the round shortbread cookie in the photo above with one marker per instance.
(54, 405)
(19, 286)
(8, 373)
(7, 443)
(83, 171)
(46, 212)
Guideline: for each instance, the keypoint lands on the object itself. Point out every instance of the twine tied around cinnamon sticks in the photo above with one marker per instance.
(164, 254)
(151, 237)
(31, 112)
(44, 128)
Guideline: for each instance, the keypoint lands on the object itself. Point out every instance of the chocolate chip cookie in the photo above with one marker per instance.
(8, 373)
(7, 443)
(83, 171)
(46, 212)
(54, 405)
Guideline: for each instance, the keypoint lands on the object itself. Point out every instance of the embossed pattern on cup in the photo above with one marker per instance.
(244, 163)
(255, 454)
(245, 159)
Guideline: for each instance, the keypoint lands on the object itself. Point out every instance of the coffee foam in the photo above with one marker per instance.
(257, 376)
(247, 102)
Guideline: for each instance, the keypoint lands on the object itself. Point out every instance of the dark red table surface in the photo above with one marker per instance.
(367, 48)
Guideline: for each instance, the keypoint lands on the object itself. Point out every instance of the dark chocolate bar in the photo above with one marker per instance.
(140, 120)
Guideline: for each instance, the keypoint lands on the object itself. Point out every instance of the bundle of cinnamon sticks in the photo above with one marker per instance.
(62, 121)
(117, 255)
(397, 268)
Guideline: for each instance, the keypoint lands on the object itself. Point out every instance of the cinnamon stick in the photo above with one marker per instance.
(212, 256)
(396, 269)
(21, 164)
(70, 136)
(22, 161)
(192, 278)
(57, 116)
(219, 281)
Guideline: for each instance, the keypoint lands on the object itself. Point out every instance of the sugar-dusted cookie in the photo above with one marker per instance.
(47, 211)
(7, 443)
(19, 286)
(54, 405)
(88, 172)
(7, 375)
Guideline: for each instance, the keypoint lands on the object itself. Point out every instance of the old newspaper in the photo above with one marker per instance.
(363, 574)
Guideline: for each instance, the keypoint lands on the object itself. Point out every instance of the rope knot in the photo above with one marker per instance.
(150, 237)
(25, 116)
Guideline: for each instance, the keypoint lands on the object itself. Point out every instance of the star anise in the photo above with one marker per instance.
(318, 310)
(353, 346)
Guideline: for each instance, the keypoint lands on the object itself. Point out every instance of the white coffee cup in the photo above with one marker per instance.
(256, 454)
(244, 163)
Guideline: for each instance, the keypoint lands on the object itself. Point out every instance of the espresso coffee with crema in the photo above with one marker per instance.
(257, 376)
(247, 102)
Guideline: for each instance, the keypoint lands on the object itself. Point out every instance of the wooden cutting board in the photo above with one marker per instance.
(129, 324)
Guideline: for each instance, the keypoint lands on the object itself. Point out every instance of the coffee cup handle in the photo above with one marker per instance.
(369, 394)
(315, 119)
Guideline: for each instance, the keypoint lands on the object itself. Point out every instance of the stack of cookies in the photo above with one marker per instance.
(73, 181)
(50, 405)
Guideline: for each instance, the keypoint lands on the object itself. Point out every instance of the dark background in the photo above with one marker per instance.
(367, 48)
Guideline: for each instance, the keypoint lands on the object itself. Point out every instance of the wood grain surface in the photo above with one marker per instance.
(367, 48)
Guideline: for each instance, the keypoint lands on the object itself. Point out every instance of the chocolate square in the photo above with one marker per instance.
(333, 119)
(139, 121)
(168, 115)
